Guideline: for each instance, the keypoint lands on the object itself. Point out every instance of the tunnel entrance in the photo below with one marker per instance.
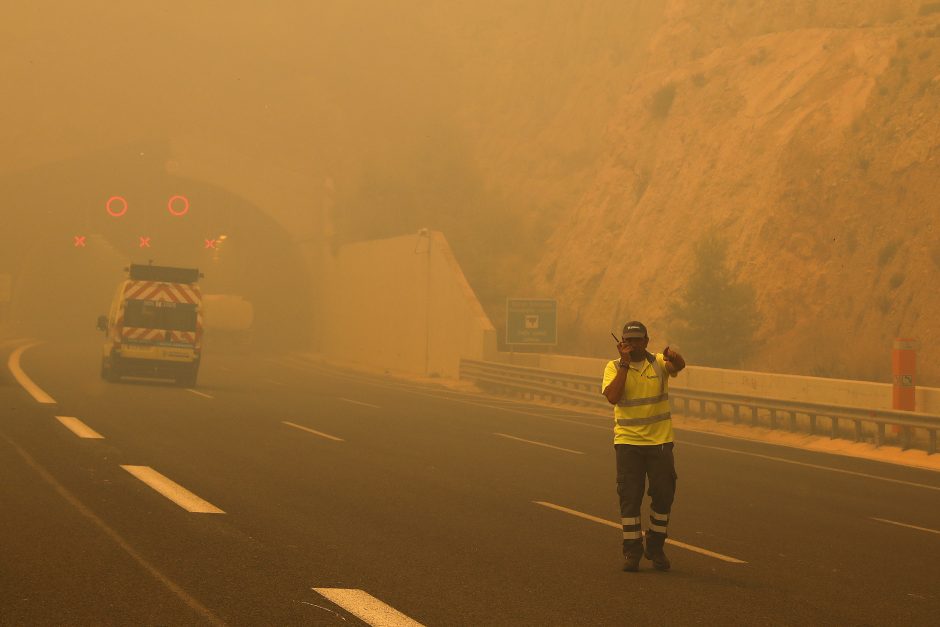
(71, 227)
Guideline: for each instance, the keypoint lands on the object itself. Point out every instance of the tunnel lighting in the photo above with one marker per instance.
(116, 206)
(178, 205)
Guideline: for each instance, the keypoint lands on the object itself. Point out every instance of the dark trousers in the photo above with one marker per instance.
(634, 465)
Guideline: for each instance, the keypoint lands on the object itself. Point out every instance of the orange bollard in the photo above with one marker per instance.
(904, 369)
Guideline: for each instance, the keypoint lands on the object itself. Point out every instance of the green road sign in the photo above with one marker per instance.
(532, 321)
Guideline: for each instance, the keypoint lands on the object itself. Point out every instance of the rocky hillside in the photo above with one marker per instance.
(806, 133)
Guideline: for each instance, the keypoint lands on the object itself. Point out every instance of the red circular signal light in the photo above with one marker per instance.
(173, 202)
(109, 206)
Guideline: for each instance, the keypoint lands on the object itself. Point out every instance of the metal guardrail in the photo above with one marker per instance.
(914, 428)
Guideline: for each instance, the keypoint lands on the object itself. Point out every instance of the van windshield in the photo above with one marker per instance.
(160, 314)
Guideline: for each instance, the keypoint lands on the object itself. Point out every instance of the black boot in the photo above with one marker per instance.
(654, 550)
(632, 552)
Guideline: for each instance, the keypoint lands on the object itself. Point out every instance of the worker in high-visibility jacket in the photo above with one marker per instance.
(636, 384)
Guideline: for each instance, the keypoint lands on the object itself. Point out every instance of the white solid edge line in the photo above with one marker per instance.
(34, 390)
(558, 448)
(349, 400)
(172, 490)
(900, 524)
(308, 430)
(816, 466)
(79, 428)
(609, 523)
(199, 393)
(367, 608)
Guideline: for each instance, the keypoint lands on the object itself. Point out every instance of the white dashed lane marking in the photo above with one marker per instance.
(13, 363)
(349, 400)
(204, 395)
(609, 523)
(79, 428)
(172, 490)
(900, 524)
(367, 608)
(557, 448)
(309, 430)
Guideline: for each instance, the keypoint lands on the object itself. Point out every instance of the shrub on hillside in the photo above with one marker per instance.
(888, 252)
(929, 8)
(715, 317)
(662, 100)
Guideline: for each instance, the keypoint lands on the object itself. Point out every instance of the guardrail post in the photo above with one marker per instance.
(792, 421)
(753, 415)
(834, 427)
(812, 424)
(773, 418)
(737, 414)
(879, 434)
(931, 441)
(858, 430)
(906, 437)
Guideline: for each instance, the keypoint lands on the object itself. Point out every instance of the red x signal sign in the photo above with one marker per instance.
(144, 242)
(79, 241)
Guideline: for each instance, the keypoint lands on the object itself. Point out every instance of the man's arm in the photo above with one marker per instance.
(674, 361)
(614, 389)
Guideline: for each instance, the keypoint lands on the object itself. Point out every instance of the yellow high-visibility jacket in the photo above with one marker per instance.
(642, 416)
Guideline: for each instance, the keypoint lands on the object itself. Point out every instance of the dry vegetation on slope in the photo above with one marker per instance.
(809, 137)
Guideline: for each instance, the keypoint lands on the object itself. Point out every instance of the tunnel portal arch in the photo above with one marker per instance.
(66, 242)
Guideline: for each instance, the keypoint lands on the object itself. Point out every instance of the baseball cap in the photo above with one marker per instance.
(634, 328)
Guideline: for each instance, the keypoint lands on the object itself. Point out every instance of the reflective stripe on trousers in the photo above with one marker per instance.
(631, 528)
(658, 522)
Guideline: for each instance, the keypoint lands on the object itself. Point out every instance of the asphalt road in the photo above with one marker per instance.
(334, 494)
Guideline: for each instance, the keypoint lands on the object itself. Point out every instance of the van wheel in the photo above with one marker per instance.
(107, 371)
(187, 378)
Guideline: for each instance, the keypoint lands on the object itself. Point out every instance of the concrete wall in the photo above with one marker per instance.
(403, 304)
(790, 387)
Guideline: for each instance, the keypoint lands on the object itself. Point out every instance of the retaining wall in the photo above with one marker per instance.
(404, 304)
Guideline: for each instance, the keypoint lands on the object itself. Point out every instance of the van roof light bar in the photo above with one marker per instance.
(140, 272)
